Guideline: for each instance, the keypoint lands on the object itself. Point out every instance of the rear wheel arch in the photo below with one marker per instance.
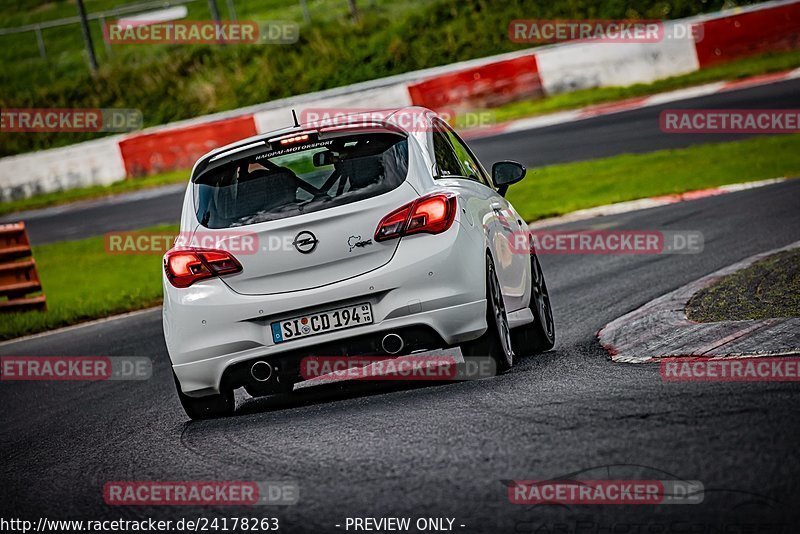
(495, 342)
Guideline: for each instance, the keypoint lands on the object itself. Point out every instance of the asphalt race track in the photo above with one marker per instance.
(443, 450)
(633, 131)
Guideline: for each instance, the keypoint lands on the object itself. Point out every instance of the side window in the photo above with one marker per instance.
(473, 169)
(446, 160)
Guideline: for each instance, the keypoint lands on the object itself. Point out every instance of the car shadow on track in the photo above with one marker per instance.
(309, 394)
(325, 393)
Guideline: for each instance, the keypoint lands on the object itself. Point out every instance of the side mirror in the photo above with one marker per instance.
(505, 173)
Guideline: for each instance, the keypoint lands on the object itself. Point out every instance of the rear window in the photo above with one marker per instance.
(300, 179)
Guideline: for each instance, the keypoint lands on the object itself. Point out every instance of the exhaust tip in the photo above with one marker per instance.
(261, 371)
(392, 343)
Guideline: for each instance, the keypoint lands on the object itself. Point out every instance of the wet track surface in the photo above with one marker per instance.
(633, 131)
(442, 450)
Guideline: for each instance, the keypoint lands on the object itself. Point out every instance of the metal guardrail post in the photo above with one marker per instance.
(106, 44)
(101, 15)
(231, 10)
(40, 42)
(87, 36)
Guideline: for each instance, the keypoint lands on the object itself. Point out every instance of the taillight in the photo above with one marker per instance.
(184, 267)
(431, 214)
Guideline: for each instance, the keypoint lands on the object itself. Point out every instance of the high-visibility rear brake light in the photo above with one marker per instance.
(184, 267)
(431, 214)
(295, 139)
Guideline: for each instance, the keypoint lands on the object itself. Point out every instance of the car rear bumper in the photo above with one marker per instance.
(434, 281)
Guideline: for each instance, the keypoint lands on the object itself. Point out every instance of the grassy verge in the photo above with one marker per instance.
(96, 191)
(743, 68)
(563, 188)
(769, 288)
(83, 282)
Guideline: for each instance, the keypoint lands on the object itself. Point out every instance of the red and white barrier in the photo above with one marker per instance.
(563, 117)
(179, 148)
(96, 162)
(483, 86)
(586, 65)
(572, 66)
(723, 36)
(754, 31)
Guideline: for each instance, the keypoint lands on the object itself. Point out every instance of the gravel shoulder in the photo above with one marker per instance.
(662, 329)
(769, 288)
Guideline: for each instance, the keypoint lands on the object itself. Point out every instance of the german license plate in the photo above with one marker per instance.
(319, 323)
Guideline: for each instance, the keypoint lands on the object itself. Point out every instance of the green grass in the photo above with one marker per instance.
(173, 82)
(83, 282)
(768, 288)
(762, 64)
(560, 189)
(96, 191)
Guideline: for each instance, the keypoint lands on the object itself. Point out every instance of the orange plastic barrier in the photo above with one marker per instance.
(18, 276)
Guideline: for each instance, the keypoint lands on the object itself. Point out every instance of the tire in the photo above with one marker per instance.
(540, 335)
(208, 407)
(496, 341)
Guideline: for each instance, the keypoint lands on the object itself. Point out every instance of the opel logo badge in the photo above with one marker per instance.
(305, 242)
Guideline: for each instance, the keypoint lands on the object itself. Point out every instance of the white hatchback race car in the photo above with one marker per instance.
(376, 236)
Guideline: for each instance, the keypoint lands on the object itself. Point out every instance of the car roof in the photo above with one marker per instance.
(380, 116)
